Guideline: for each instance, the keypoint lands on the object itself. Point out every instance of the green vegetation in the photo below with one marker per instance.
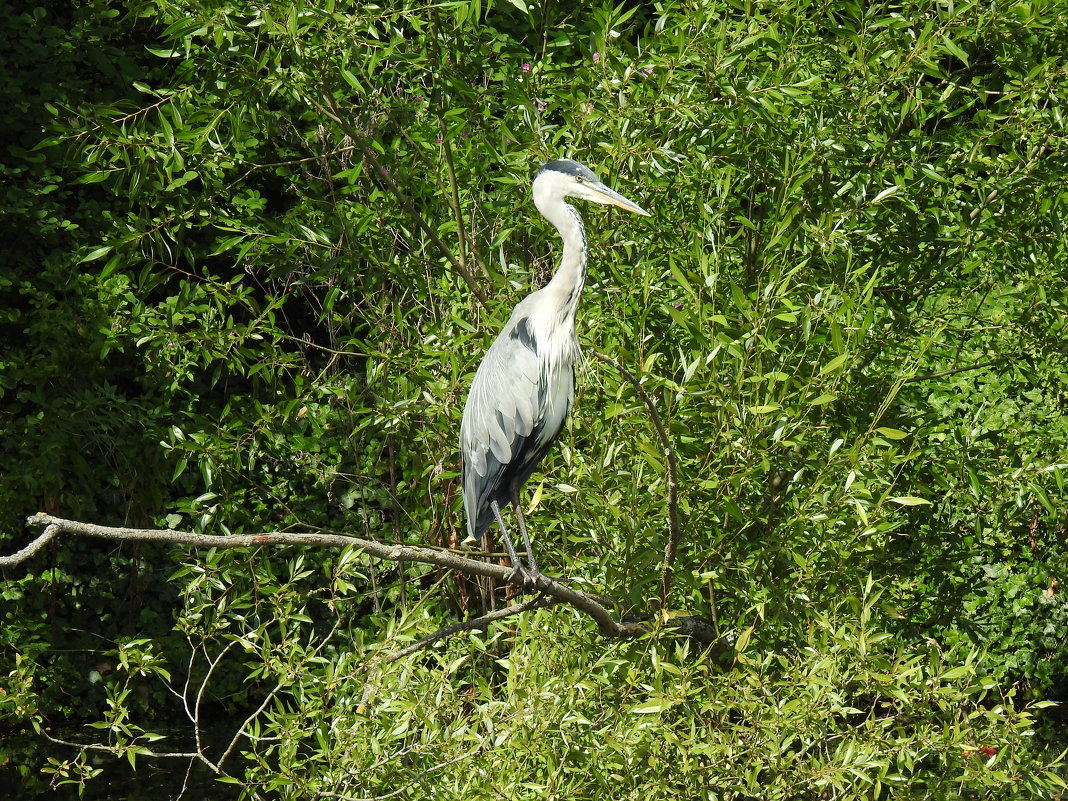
(254, 254)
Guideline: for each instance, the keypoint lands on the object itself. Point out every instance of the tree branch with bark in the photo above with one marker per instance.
(592, 605)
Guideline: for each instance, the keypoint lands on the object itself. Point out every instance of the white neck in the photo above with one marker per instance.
(566, 283)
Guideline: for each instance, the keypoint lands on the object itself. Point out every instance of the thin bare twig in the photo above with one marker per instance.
(267, 701)
(194, 718)
(192, 756)
(465, 625)
(114, 749)
(468, 625)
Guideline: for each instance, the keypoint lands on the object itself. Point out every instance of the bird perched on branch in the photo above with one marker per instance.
(524, 386)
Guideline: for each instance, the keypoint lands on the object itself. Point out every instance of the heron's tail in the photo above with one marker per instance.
(478, 522)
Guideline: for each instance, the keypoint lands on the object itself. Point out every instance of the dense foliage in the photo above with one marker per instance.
(255, 252)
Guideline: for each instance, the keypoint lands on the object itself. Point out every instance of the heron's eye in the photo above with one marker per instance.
(579, 179)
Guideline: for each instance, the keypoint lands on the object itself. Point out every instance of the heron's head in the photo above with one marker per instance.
(564, 178)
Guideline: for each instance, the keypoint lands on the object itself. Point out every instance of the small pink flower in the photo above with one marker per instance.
(596, 57)
(647, 71)
(526, 66)
(541, 105)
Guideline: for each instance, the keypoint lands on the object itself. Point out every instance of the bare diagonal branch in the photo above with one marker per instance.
(591, 605)
(23, 554)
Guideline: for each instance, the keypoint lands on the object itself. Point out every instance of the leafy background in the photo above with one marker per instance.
(254, 253)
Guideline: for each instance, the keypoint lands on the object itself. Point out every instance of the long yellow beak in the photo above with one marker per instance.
(610, 197)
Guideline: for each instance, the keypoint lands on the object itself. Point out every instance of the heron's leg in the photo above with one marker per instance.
(523, 528)
(517, 566)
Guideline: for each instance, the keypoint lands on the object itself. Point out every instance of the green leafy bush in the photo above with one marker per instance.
(269, 246)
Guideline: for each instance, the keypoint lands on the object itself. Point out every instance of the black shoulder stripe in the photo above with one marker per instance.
(523, 333)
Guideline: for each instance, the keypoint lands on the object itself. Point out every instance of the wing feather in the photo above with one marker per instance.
(505, 407)
(503, 403)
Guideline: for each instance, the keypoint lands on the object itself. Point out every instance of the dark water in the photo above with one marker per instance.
(24, 754)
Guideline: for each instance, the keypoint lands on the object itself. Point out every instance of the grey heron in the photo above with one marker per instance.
(523, 388)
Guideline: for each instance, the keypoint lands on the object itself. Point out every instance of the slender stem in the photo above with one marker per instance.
(114, 749)
(379, 173)
(671, 467)
(454, 195)
(195, 718)
(468, 625)
(954, 371)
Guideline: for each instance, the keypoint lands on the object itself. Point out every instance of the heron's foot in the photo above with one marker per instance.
(528, 579)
